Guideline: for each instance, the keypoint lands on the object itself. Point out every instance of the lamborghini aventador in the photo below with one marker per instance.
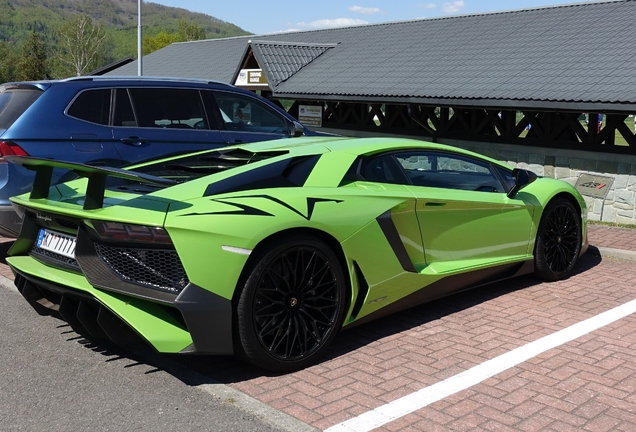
(267, 250)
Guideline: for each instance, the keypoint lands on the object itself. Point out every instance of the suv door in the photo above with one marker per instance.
(152, 122)
(245, 119)
(93, 137)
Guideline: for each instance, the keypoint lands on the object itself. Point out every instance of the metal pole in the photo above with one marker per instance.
(139, 49)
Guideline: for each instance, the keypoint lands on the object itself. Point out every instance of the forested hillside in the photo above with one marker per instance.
(20, 19)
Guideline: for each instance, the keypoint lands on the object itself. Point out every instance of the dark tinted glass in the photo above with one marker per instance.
(383, 169)
(14, 102)
(92, 106)
(507, 178)
(124, 115)
(168, 108)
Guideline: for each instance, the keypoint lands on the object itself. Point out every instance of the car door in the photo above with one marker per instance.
(465, 217)
(86, 135)
(157, 122)
(245, 119)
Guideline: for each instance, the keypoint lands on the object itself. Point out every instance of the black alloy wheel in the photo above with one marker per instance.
(292, 305)
(558, 240)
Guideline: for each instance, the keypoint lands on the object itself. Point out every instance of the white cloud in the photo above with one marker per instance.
(453, 7)
(289, 30)
(429, 6)
(331, 23)
(365, 10)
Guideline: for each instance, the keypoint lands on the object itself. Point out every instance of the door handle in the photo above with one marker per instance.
(133, 140)
(434, 204)
(237, 141)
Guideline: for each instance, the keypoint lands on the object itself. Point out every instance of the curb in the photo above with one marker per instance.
(606, 252)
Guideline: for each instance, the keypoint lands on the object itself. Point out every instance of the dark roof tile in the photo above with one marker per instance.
(581, 53)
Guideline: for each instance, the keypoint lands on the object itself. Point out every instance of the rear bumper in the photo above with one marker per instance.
(197, 322)
(10, 222)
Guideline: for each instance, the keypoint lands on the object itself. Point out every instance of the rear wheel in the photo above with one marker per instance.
(558, 240)
(291, 305)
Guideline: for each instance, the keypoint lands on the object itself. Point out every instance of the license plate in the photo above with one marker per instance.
(56, 242)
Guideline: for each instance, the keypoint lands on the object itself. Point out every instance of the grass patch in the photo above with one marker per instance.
(611, 224)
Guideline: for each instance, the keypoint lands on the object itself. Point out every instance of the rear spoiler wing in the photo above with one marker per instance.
(96, 177)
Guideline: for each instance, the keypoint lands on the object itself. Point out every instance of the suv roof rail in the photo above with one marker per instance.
(144, 78)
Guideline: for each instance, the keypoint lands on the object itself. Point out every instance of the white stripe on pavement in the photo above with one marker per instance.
(428, 395)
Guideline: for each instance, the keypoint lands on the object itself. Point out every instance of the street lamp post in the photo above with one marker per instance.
(139, 50)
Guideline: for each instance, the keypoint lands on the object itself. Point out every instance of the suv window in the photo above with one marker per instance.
(162, 108)
(124, 115)
(14, 102)
(92, 106)
(242, 113)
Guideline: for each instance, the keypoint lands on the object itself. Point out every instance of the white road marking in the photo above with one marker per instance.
(428, 395)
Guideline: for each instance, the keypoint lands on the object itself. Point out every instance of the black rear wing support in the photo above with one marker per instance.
(96, 177)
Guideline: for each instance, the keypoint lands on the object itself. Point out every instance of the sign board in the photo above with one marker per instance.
(596, 186)
(310, 115)
(251, 77)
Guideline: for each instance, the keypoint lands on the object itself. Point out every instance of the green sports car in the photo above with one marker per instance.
(266, 250)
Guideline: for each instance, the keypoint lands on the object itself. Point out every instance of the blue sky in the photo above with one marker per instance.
(267, 16)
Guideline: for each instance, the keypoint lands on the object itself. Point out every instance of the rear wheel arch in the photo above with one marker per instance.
(328, 239)
(283, 322)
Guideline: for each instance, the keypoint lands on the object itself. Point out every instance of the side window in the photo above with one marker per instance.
(124, 115)
(450, 171)
(168, 108)
(506, 177)
(243, 113)
(383, 169)
(92, 106)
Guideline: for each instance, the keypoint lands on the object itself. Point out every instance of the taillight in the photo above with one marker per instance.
(129, 233)
(9, 148)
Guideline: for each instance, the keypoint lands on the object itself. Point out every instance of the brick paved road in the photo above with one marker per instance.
(586, 384)
(618, 238)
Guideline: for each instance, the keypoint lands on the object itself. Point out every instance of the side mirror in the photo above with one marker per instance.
(296, 129)
(522, 179)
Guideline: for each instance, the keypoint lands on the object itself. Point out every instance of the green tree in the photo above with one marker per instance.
(189, 31)
(186, 32)
(81, 45)
(33, 64)
(160, 40)
(8, 62)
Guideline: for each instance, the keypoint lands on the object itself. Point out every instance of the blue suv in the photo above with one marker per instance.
(119, 121)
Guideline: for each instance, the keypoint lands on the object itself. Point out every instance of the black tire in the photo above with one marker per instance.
(291, 305)
(558, 240)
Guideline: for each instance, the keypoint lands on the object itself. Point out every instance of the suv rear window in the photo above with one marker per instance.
(92, 106)
(14, 102)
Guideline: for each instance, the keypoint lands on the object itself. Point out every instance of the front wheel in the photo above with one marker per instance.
(291, 305)
(558, 240)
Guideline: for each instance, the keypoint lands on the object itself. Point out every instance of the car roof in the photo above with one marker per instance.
(144, 79)
(357, 146)
(118, 80)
